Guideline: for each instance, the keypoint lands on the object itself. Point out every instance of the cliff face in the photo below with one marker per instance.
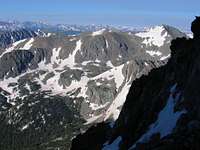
(162, 109)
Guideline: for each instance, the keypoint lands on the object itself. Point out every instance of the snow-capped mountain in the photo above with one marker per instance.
(161, 110)
(67, 83)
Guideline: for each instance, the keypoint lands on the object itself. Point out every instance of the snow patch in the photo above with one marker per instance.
(98, 32)
(70, 61)
(28, 45)
(86, 62)
(109, 64)
(154, 53)
(48, 34)
(94, 106)
(26, 125)
(114, 73)
(146, 64)
(27, 86)
(154, 36)
(55, 55)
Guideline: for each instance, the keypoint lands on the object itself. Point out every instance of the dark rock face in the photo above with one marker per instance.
(145, 116)
(17, 62)
(9, 37)
(67, 76)
(195, 27)
(19, 59)
(92, 139)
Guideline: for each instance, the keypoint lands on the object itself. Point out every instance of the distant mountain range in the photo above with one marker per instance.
(63, 28)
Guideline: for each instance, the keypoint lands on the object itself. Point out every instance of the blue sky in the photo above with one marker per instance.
(134, 13)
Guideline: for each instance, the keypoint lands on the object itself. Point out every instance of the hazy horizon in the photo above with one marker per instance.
(105, 12)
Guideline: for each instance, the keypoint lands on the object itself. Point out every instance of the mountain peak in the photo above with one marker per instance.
(161, 109)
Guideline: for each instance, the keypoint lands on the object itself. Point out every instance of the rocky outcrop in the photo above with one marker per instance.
(162, 108)
(17, 62)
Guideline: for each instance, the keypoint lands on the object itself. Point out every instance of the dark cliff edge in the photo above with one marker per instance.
(162, 109)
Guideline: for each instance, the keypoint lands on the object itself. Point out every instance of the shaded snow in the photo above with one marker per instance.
(166, 120)
(114, 145)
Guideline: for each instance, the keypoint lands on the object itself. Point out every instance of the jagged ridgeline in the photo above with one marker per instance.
(55, 86)
(161, 111)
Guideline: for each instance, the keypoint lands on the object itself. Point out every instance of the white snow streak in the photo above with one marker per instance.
(107, 45)
(92, 119)
(28, 45)
(165, 57)
(154, 53)
(10, 49)
(113, 110)
(96, 106)
(70, 61)
(55, 55)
